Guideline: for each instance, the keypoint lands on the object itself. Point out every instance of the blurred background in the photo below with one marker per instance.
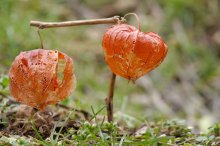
(185, 86)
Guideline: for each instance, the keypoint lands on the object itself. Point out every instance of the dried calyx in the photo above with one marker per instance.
(131, 53)
(41, 77)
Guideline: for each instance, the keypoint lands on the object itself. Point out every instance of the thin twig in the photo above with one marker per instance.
(138, 19)
(109, 99)
(42, 25)
(85, 113)
(41, 40)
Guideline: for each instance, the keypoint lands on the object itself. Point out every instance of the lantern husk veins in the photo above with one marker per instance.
(34, 78)
(131, 53)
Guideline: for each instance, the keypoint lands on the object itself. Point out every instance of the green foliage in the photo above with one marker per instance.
(159, 133)
(4, 82)
(215, 130)
(4, 86)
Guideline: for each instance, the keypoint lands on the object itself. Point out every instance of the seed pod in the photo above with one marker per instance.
(41, 77)
(131, 53)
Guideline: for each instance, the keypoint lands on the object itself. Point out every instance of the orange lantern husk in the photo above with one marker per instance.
(130, 53)
(41, 77)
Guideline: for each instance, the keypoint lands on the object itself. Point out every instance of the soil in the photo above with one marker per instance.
(19, 119)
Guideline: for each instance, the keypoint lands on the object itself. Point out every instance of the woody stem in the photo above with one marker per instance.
(109, 99)
(42, 25)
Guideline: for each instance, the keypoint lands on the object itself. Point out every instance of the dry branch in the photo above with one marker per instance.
(42, 25)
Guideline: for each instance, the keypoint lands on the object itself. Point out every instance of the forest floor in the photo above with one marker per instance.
(60, 125)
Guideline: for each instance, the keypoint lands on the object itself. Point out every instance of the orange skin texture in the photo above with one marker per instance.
(130, 53)
(34, 78)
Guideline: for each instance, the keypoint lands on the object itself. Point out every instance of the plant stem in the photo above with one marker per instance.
(41, 40)
(42, 25)
(138, 19)
(109, 99)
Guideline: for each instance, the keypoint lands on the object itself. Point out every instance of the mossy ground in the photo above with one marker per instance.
(59, 125)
